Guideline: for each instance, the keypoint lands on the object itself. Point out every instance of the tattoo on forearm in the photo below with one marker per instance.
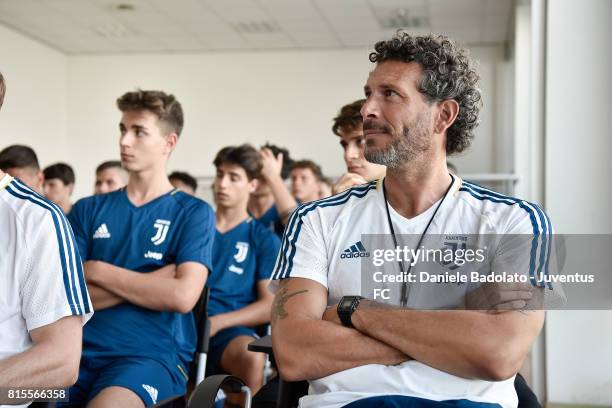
(278, 308)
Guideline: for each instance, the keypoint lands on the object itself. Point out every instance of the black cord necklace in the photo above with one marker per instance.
(405, 286)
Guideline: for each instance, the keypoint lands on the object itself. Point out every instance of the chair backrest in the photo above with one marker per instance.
(200, 314)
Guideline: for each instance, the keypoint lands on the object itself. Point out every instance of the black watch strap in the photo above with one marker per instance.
(346, 307)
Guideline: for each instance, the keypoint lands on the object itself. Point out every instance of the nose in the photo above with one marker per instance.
(125, 140)
(296, 182)
(369, 108)
(351, 153)
(222, 181)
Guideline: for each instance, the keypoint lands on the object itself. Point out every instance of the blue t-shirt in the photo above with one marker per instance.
(272, 221)
(172, 229)
(242, 257)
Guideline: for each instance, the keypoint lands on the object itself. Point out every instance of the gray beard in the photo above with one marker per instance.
(393, 156)
(409, 147)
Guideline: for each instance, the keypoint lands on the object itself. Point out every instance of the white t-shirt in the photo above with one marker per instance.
(318, 243)
(40, 267)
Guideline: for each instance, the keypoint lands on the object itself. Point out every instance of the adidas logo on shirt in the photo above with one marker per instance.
(356, 250)
(102, 232)
(152, 391)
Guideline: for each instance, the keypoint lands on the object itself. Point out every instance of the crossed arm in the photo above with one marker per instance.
(466, 343)
(171, 288)
(470, 344)
(298, 325)
(51, 362)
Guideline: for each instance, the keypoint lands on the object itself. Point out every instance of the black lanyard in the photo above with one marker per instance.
(405, 286)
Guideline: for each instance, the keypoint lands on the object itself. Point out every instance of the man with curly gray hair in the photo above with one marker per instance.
(418, 348)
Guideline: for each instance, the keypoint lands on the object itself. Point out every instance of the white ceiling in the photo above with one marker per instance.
(98, 26)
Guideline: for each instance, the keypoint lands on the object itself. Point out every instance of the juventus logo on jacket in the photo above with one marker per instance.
(162, 231)
(243, 250)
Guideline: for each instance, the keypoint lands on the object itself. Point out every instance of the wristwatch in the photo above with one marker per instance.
(346, 307)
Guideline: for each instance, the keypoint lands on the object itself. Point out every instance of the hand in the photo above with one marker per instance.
(331, 315)
(500, 297)
(347, 181)
(272, 166)
(215, 324)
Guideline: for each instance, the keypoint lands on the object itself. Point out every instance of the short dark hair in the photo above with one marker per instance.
(349, 118)
(185, 178)
(287, 160)
(60, 171)
(110, 164)
(18, 156)
(448, 73)
(245, 156)
(2, 89)
(165, 106)
(309, 164)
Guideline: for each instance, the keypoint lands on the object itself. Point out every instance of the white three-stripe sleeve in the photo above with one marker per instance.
(528, 248)
(52, 286)
(303, 253)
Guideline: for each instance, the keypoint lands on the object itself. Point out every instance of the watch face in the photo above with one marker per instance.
(346, 303)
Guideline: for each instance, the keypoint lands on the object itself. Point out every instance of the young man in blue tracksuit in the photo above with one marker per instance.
(147, 252)
(244, 253)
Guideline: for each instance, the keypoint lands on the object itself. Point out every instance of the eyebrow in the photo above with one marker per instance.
(135, 127)
(230, 172)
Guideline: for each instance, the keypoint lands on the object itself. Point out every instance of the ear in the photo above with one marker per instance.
(41, 179)
(71, 188)
(171, 141)
(253, 184)
(447, 113)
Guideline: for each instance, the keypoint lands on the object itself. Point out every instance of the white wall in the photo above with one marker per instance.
(522, 101)
(34, 110)
(577, 184)
(482, 156)
(286, 97)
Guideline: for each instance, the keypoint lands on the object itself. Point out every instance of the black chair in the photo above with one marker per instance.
(205, 394)
(200, 313)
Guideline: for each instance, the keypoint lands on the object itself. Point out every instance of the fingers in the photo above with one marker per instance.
(266, 154)
(271, 165)
(510, 296)
(347, 181)
(501, 297)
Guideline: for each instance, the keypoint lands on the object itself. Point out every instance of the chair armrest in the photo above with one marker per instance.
(262, 345)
